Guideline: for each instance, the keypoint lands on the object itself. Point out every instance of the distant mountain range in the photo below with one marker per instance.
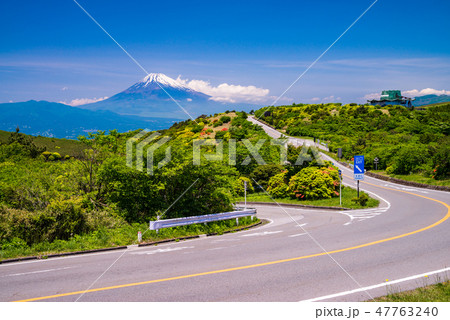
(155, 102)
(158, 95)
(430, 99)
(51, 119)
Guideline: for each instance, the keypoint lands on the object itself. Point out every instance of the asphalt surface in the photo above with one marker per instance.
(301, 254)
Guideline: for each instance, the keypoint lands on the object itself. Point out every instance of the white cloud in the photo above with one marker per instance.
(228, 92)
(315, 99)
(79, 102)
(372, 96)
(423, 92)
(64, 88)
(331, 99)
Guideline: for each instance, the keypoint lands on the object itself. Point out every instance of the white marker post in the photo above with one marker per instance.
(245, 195)
(139, 236)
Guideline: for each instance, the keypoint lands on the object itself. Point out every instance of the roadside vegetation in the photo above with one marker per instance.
(83, 195)
(349, 200)
(409, 144)
(433, 293)
(122, 234)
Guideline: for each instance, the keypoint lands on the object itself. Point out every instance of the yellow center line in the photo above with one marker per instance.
(446, 217)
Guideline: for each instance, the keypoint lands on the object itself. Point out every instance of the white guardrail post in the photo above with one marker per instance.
(169, 223)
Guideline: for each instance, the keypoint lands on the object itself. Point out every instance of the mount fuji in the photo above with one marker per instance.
(158, 95)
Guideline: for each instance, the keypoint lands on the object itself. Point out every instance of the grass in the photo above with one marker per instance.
(433, 293)
(62, 146)
(347, 194)
(121, 236)
(415, 177)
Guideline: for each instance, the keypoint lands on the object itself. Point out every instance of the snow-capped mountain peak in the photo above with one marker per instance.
(161, 79)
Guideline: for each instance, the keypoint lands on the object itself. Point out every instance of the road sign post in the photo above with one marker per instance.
(376, 163)
(340, 188)
(358, 170)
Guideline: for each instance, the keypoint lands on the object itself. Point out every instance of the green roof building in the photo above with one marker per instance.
(392, 97)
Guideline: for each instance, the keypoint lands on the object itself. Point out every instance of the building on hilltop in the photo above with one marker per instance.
(392, 97)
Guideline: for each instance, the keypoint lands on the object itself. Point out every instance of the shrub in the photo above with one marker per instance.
(217, 123)
(314, 183)
(277, 186)
(238, 186)
(225, 119)
(262, 174)
(196, 128)
(220, 134)
(362, 200)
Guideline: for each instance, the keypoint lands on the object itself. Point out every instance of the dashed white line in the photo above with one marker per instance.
(33, 272)
(162, 250)
(261, 233)
(296, 235)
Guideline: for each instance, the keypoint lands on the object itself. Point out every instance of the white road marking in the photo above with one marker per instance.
(296, 235)
(216, 248)
(162, 250)
(364, 214)
(221, 240)
(261, 233)
(406, 188)
(33, 272)
(301, 225)
(344, 293)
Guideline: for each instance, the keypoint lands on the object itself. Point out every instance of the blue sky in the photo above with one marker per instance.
(51, 50)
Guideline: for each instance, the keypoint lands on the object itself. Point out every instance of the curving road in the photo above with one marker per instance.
(301, 254)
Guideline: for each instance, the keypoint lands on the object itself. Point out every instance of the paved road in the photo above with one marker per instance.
(301, 254)
(291, 140)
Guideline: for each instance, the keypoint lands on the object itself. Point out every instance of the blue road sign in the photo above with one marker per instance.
(340, 172)
(358, 165)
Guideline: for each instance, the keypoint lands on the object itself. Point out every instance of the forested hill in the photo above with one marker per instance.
(404, 140)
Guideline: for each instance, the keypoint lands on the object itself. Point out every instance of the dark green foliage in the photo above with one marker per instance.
(361, 200)
(27, 142)
(404, 140)
(225, 119)
(262, 174)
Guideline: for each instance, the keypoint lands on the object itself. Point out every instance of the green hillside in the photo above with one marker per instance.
(69, 147)
(53, 203)
(405, 141)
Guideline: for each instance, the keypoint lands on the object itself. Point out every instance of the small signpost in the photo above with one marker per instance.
(339, 153)
(375, 161)
(358, 169)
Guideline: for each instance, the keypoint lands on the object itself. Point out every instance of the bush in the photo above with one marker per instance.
(409, 159)
(262, 173)
(220, 134)
(362, 200)
(238, 186)
(314, 183)
(277, 186)
(217, 124)
(225, 119)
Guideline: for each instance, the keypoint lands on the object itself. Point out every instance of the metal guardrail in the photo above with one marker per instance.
(169, 223)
